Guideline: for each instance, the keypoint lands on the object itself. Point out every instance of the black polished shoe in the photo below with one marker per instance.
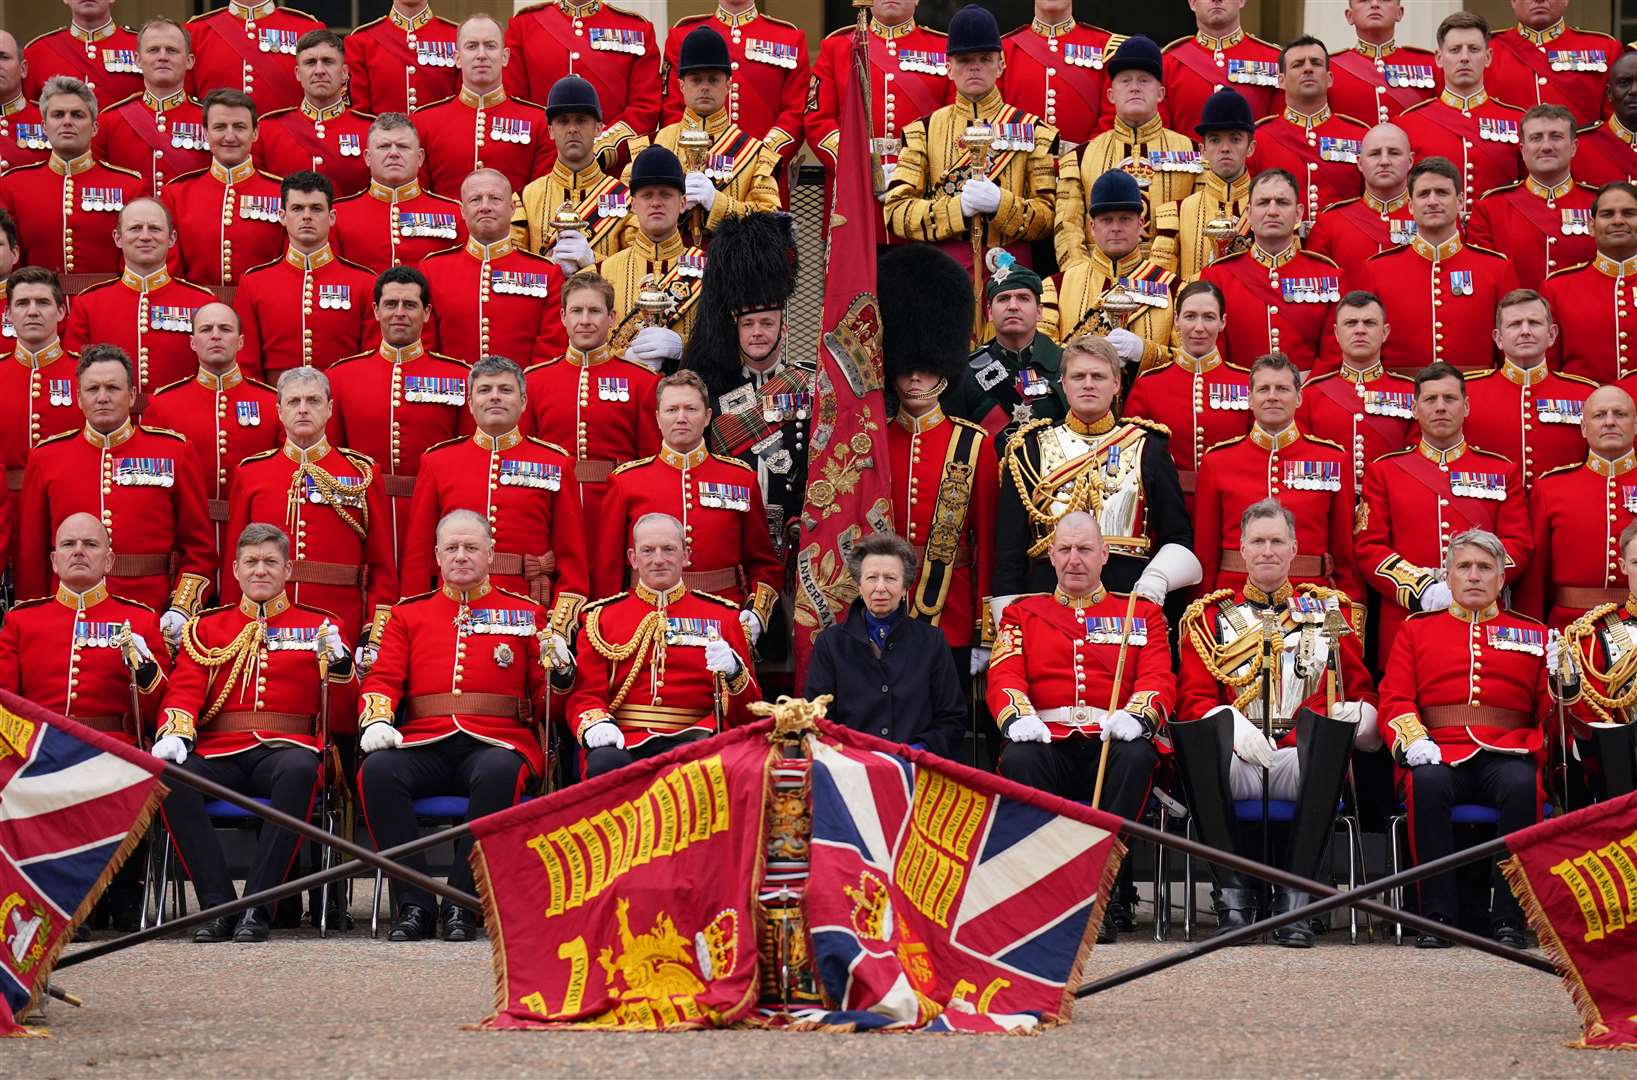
(1121, 912)
(215, 931)
(1509, 932)
(253, 926)
(1109, 932)
(1235, 909)
(82, 932)
(1433, 941)
(415, 923)
(458, 924)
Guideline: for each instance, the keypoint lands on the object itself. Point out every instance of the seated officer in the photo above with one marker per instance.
(1601, 690)
(1224, 755)
(481, 741)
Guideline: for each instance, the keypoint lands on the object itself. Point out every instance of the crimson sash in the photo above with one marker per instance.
(1437, 481)
(1451, 120)
(302, 131)
(1079, 79)
(141, 120)
(1610, 149)
(1204, 66)
(397, 46)
(283, 78)
(1363, 68)
(563, 35)
(1341, 392)
(912, 90)
(69, 48)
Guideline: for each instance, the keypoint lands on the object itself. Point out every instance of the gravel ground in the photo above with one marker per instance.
(350, 1006)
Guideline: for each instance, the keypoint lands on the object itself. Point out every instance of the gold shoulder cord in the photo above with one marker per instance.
(649, 631)
(1213, 655)
(1084, 495)
(245, 644)
(331, 489)
(1623, 670)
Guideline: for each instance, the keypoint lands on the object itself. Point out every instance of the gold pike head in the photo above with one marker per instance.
(792, 717)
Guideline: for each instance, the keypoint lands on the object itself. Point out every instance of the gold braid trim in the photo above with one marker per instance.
(246, 643)
(1082, 496)
(650, 630)
(332, 491)
(1213, 655)
(1603, 706)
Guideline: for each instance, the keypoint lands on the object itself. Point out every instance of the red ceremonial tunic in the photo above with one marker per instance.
(105, 59)
(719, 503)
(144, 486)
(1529, 415)
(22, 135)
(1055, 71)
(909, 79)
(1478, 134)
(227, 221)
(670, 690)
(1055, 658)
(1540, 230)
(159, 139)
(39, 398)
(67, 212)
(1577, 513)
(1321, 151)
(1309, 476)
(1366, 413)
(1560, 65)
(385, 227)
(1377, 82)
(1199, 65)
(305, 311)
(1202, 401)
(768, 92)
(329, 141)
(249, 47)
(1595, 305)
(492, 299)
(615, 50)
(1415, 502)
(277, 678)
(1604, 154)
(525, 489)
(392, 404)
(494, 131)
(150, 317)
(1352, 230)
(438, 646)
(1441, 302)
(397, 64)
(1286, 303)
(939, 461)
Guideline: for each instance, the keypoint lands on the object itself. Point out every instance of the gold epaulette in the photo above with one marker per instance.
(592, 605)
(633, 464)
(547, 445)
(1195, 614)
(1333, 444)
(357, 457)
(418, 596)
(260, 454)
(1486, 251)
(733, 461)
(59, 437)
(1577, 378)
(724, 601)
(456, 441)
(960, 421)
(168, 432)
(1017, 439)
(1572, 467)
(1226, 442)
(1144, 422)
(1321, 257)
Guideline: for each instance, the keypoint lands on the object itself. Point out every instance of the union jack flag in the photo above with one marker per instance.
(73, 804)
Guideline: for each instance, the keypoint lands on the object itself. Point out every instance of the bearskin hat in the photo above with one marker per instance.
(749, 266)
(926, 312)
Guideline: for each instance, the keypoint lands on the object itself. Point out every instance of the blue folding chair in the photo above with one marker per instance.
(437, 810)
(1459, 814)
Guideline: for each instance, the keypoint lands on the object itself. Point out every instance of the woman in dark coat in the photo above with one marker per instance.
(892, 676)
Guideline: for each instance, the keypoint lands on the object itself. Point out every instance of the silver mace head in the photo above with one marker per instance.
(1118, 300)
(654, 302)
(1222, 228)
(693, 142)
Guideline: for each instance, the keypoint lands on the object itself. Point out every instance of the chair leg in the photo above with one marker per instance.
(1397, 863)
(375, 909)
(1162, 888)
(1352, 878)
(157, 839)
(163, 882)
(1188, 888)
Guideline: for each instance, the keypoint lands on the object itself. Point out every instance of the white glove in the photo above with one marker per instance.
(980, 660)
(1423, 751)
(752, 623)
(330, 638)
(654, 345)
(1362, 715)
(1028, 729)
(1249, 742)
(138, 644)
(171, 748)
(698, 191)
(364, 657)
(1437, 597)
(1172, 567)
(558, 658)
(1127, 344)
(1121, 726)
(571, 252)
(979, 195)
(380, 736)
(604, 733)
(720, 659)
(171, 624)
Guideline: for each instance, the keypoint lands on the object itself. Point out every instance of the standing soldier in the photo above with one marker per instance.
(1218, 54)
(394, 222)
(492, 298)
(1544, 223)
(1307, 475)
(1416, 499)
(91, 48)
(37, 388)
(145, 311)
(1605, 153)
(524, 487)
(1308, 139)
(242, 711)
(22, 134)
(1280, 296)
(310, 308)
(223, 415)
(653, 630)
(1352, 230)
(1522, 409)
(1162, 161)
(322, 134)
(1055, 69)
(482, 126)
(403, 60)
(1594, 300)
(1227, 136)
(481, 740)
(1378, 78)
(250, 48)
(226, 216)
(66, 207)
(1542, 60)
(655, 250)
(968, 200)
(330, 501)
(143, 485)
(615, 50)
(600, 203)
(393, 403)
(1016, 370)
(159, 132)
(1440, 291)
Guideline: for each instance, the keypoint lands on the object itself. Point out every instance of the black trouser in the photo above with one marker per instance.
(491, 777)
(1504, 781)
(1068, 767)
(285, 774)
(608, 758)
